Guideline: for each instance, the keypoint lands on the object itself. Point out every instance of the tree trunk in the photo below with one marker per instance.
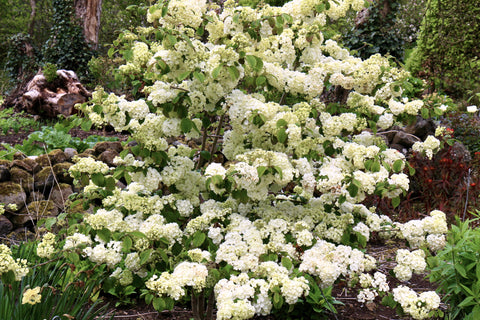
(89, 11)
(33, 14)
(385, 8)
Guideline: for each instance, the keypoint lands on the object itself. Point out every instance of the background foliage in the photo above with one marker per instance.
(448, 51)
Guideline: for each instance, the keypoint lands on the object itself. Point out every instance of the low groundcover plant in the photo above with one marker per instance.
(275, 221)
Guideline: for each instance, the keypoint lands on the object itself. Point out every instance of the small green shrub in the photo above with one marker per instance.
(456, 269)
(50, 72)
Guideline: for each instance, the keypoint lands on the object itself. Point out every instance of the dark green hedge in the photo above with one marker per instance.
(448, 49)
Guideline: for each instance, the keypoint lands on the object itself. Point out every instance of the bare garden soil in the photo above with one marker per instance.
(349, 309)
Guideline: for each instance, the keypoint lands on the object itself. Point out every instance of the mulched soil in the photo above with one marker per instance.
(350, 309)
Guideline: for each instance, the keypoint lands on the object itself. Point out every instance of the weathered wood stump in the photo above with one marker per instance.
(50, 99)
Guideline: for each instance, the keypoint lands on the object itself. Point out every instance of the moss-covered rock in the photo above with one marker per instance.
(108, 145)
(22, 177)
(5, 225)
(34, 211)
(27, 164)
(59, 195)
(87, 153)
(60, 170)
(4, 173)
(44, 179)
(20, 235)
(54, 157)
(12, 193)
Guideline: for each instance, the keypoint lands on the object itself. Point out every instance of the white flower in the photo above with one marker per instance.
(472, 109)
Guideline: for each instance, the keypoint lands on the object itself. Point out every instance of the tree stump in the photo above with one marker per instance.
(50, 99)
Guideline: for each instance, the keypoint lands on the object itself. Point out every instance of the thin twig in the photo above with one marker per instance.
(178, 88)
(128, 316)
(466, 200)
(408, 134)
(204, 142)
(215, 139)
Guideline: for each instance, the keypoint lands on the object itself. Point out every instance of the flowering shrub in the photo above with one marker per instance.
(276, 222)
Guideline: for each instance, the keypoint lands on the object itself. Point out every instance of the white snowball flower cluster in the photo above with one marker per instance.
(408, 263)
(109, 254)
(430, 230)
(242, 245)
(418, 306)
(88, 165)
(241, 297)
(371, 286)
(185, 274)
(76, 240)
(328, 262)
(429, 146)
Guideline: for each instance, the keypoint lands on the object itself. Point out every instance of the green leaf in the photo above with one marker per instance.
(73, 257)
(261, 170)
(277, 300)
(186, 125)
(110, 183)
(395, 202)
(279, 170)
(376, 166)
(98, 179)
(397, 166)
(282, 123)
(260, 81)
(97, 108)
(49, 222)
(352, 190)
(111, 52)
(320, 8)
(145, 255)
(216, 71)
(425, 113)
(461, 269)
(251, 61)
(279, 22)
(199, 76)
(258, 64)
(205, 155)
(287, 263)
(104, 234)
(234, 73)
(159, 304)
(86, 125)
(183, 76)
(281, 135)
(171, 39)
(198, 239)
(163, 255)
(389, 301)
(127, 244)
(8, 277)
(468, 301)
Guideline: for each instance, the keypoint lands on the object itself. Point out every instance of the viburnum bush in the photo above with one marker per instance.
(242, 187)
